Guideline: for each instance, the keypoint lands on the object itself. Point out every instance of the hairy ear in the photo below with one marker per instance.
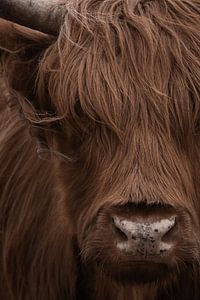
(20, 52)
(21, 49)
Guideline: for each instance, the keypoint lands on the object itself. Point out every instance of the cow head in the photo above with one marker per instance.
(122, 83)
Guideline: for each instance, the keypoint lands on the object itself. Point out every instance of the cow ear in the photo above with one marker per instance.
(20, 52)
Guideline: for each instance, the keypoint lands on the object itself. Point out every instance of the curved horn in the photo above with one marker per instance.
(42, 15)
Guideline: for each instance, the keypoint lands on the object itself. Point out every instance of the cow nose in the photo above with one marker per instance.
(145, 237)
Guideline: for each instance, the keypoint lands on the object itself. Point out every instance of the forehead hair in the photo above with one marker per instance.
(127, 62)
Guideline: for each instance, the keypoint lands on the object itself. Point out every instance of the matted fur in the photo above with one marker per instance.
(115, 102)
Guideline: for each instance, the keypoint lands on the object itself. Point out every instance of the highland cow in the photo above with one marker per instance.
(100, 150)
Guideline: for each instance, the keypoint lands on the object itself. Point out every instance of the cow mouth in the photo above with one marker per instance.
(138, 272)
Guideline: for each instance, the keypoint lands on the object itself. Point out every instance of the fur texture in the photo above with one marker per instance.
(106, 114)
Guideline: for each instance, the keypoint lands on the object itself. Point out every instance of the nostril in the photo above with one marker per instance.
(171, 230)
(120, 234)
(119, 230)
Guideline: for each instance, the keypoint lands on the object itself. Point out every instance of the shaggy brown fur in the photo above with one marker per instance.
(104, 115)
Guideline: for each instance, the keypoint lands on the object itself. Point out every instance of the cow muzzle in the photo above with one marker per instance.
(147, 233)
(138, 242)
(150, 237)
